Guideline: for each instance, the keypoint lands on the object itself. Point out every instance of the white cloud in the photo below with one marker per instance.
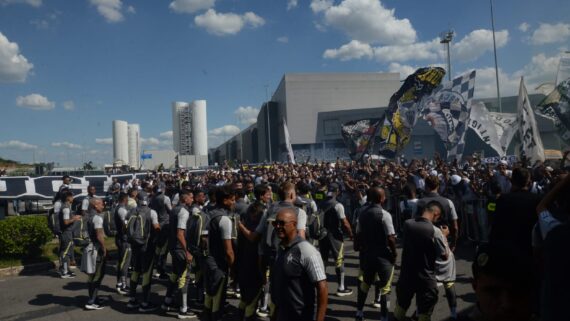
(283, 39)
(104, 141)
(292, 4)
(68, 105)
(246, 115)
(14, 67)
(366, 21)
(151, 141)
(539, 70)
(227, 130)
(219, 135)
(524, 27)
(111, 10)
(477, 43)
(131, 10)
(404, 70)
(429, 50)
(470, 48)
(547, 33)
(486, 84)
(191, 6)
(33, 3)
(66, 145)
(352, 50)
(223, 24)
(16, 144)
(35, 102)
(167, 134)
(321, 5)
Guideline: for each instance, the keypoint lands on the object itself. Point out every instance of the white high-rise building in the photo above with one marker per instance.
(189, 126)
(120, 142)
(126, 144)
(134, 145)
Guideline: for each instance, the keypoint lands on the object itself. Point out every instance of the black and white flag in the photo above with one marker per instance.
(531, 144)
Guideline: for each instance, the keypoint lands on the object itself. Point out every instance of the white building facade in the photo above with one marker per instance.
(190, 132)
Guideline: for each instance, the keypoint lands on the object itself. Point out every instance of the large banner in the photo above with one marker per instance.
(556, 106)
(495, 129)
(447, 111)
(45, 187)
(531, 144)
(482, 124)
(404, 109)
(506, 126)
(359, 135)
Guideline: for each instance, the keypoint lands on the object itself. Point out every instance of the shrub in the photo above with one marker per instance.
(23, 236)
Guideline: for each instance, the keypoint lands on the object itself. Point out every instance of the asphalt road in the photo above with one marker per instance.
(45, 296)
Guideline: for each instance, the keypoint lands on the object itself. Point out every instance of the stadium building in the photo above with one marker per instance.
(314, 105)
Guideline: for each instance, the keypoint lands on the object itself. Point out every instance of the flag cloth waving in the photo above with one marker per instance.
(288, 145)
(531, 144)
(447, 111)
(403, 110)
(359, 135)
(556, 106)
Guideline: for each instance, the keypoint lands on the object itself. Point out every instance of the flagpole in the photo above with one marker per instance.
(495, 51)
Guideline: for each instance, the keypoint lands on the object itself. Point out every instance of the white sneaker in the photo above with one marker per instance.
(93, 306)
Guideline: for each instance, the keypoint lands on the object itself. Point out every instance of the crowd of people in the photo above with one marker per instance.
(266, 233)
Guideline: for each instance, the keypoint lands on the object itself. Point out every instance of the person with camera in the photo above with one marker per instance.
(376, 241)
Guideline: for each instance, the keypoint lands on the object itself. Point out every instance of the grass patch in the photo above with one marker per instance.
(49, 253)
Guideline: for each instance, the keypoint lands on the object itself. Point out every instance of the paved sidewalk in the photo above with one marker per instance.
(46, 297)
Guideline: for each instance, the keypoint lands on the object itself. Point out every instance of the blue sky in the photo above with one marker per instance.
(68, 68)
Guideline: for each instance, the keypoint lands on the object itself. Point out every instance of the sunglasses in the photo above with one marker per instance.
(280, 223)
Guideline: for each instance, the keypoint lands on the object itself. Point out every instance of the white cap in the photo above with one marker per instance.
(455, 179)
(433, 172)
(503, 162)
(549, 169)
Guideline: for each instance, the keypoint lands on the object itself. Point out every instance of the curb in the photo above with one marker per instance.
(26, 269)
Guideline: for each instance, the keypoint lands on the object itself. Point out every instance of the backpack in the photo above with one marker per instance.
(109, 225)
(315, 224)
(138, 228)
(53, 222)
(80, 232)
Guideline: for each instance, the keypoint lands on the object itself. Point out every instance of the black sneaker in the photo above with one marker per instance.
(147, 307)
(186, 315)
(344, 292)
(133, 304)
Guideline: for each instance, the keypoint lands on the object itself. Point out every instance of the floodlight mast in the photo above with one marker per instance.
(445, 38)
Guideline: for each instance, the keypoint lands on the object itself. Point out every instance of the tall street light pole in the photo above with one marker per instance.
(445, 38)
(496, 64)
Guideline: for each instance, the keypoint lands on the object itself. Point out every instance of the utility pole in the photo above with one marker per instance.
(496, 64)
(268, 122)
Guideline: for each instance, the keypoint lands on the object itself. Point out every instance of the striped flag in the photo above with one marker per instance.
(448, 109)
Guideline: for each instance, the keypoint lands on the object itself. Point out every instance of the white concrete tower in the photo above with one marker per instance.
(182, 128)
(134, 145)
(199, 128)
(120, 142)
